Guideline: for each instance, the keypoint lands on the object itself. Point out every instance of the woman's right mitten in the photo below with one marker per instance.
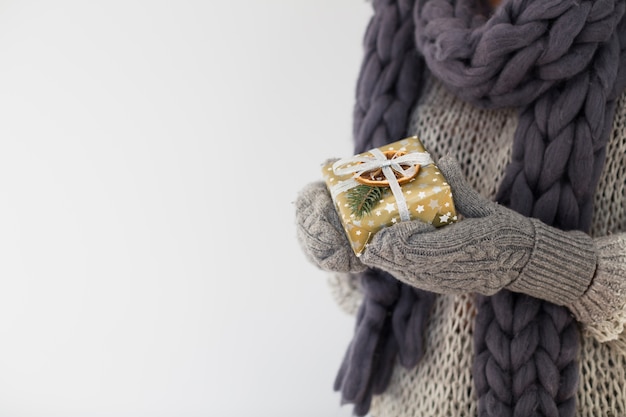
(320, 232)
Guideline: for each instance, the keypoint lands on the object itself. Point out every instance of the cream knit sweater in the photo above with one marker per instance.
(441, 384)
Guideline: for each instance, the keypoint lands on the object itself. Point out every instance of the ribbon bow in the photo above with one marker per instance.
(404, 164)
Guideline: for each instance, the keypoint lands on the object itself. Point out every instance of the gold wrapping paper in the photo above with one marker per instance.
(428, 198)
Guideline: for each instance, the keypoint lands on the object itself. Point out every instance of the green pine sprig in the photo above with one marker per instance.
(363, 198)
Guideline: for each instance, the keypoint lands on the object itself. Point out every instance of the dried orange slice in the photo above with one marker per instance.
(376, 178)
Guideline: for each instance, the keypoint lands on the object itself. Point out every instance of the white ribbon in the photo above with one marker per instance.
(361, 164)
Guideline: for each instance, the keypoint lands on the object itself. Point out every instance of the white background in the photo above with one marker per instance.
(150, 154)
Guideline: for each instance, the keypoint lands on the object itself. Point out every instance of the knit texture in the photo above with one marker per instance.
(561, 265)
(493, 248)
(557, 62)
(327, 245)
(392, 316)
(561, 64)
(609, 289)
(346, 291)
(442, 384)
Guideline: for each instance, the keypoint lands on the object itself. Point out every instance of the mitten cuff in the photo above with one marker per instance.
(561, 266)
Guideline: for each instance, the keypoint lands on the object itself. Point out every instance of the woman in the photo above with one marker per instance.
(518, 309)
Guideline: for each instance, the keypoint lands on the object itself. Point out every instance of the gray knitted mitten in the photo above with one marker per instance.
(490, 249)
(320, 233)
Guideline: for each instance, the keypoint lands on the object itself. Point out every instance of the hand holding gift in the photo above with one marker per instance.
(395, 183)
(370, 191)
(490, 249)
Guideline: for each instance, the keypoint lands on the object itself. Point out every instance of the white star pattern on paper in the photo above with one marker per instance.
(427, 184)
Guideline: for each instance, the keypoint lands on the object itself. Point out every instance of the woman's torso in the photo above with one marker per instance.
(441, 384)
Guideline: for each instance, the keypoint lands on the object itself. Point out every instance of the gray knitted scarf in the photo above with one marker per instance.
(562, 63)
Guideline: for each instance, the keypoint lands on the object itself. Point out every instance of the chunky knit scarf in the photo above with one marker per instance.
(562, 63)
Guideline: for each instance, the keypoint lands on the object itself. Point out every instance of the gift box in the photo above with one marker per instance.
(383, 186)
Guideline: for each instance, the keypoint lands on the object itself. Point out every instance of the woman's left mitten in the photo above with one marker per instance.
(492, 248)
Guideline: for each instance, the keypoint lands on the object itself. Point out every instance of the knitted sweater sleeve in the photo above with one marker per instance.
(602, 308)
(345, 290)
